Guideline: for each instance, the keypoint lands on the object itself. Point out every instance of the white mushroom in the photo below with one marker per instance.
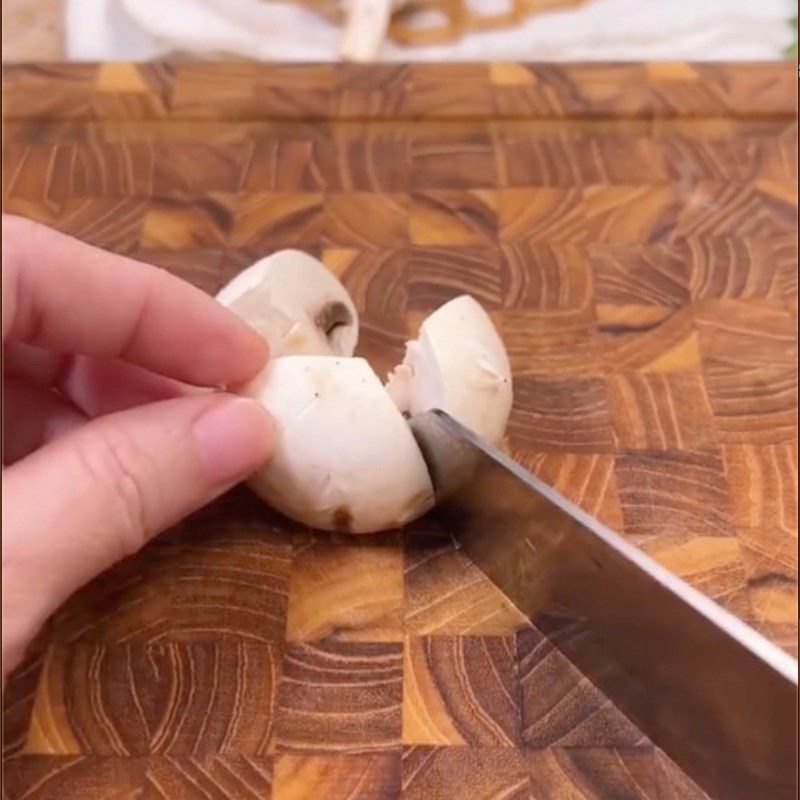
(345, 459)
(296, 304)
(365, 28)
(459, 365)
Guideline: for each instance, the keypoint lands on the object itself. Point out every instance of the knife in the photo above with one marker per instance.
(711, 692)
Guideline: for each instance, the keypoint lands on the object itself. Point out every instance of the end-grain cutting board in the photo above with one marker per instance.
(632, 231)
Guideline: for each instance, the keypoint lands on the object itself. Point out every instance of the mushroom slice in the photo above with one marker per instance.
(459, 365)
(296, 304)
(345, 458)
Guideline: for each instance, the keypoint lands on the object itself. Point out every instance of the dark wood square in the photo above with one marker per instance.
(560, 706)
(589, 481)
(763, 484)
(460, 773)
(756, 405)
(273, 221)
(72, 778)
(453, 163)
(362, 681)
(614, 215)
(661, 411)
(568, 415)
(217, 778)
(656, 275)
(553, 344)
(542, 277)
(674, 491)
(230, 587)
(435, 275)
(446, 593)
(626, 773)
(177, 171)
(579, 160)
(461, 691)
(641, 338)
(375, 279)
(176, 699)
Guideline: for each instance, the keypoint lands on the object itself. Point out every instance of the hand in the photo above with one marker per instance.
(109, 435)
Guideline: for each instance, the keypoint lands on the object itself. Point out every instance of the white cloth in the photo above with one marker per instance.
(603, 30)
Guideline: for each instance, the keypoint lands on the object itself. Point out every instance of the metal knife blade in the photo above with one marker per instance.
(716, 696)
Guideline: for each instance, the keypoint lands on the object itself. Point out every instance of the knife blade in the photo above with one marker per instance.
(711, 692)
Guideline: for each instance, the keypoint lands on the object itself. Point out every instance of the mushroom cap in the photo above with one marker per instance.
(296, 303)
(345, 458)
(457, 364)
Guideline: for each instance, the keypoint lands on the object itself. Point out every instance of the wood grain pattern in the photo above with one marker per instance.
(175, 699)
(445, 593)
(228, 777)
(560, 707)
(763, 481)
(714, 564)
(631, 230)
(460, 773)
(353, 594)
(461, 691)
(769, 555)
(661, 411)
(373, 777)
(685, 491)
(592, 774)
(570, 415)
(73, 778)
(341, 697)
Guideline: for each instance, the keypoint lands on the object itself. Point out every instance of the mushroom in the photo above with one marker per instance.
(345, 455)
(459, 365)
(296, 304)
(345, 458)
(365, 27)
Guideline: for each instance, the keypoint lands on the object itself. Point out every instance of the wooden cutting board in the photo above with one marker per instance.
(631, 229)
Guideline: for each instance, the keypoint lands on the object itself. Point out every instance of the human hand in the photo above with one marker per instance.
(109, 435)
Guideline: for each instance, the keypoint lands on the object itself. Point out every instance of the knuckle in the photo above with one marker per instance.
(115, 463)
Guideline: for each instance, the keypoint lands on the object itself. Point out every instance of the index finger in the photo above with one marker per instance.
(66, 296)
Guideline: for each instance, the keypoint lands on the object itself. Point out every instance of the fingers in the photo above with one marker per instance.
(94, 385)
(63, 295)
(34, 365)
(96, 495)
(105, 386)
(37, 415)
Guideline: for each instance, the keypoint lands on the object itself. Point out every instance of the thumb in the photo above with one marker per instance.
(96, 495)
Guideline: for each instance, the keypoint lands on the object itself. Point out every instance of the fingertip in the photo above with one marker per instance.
(255, 350)
(235, 437)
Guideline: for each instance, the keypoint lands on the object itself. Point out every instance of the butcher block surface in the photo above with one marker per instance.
(632, 231)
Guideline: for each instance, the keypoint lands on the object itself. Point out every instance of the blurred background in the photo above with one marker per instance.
(429, 30)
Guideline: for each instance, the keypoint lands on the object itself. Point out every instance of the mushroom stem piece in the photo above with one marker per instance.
(365, 28)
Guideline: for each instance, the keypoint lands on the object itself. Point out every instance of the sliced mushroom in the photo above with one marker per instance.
(345, 459)
(298, 305)
(459, 365)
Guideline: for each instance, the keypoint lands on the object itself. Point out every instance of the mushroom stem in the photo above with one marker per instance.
(365, 29)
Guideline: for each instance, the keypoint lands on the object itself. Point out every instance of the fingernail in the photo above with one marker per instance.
(235, 438)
